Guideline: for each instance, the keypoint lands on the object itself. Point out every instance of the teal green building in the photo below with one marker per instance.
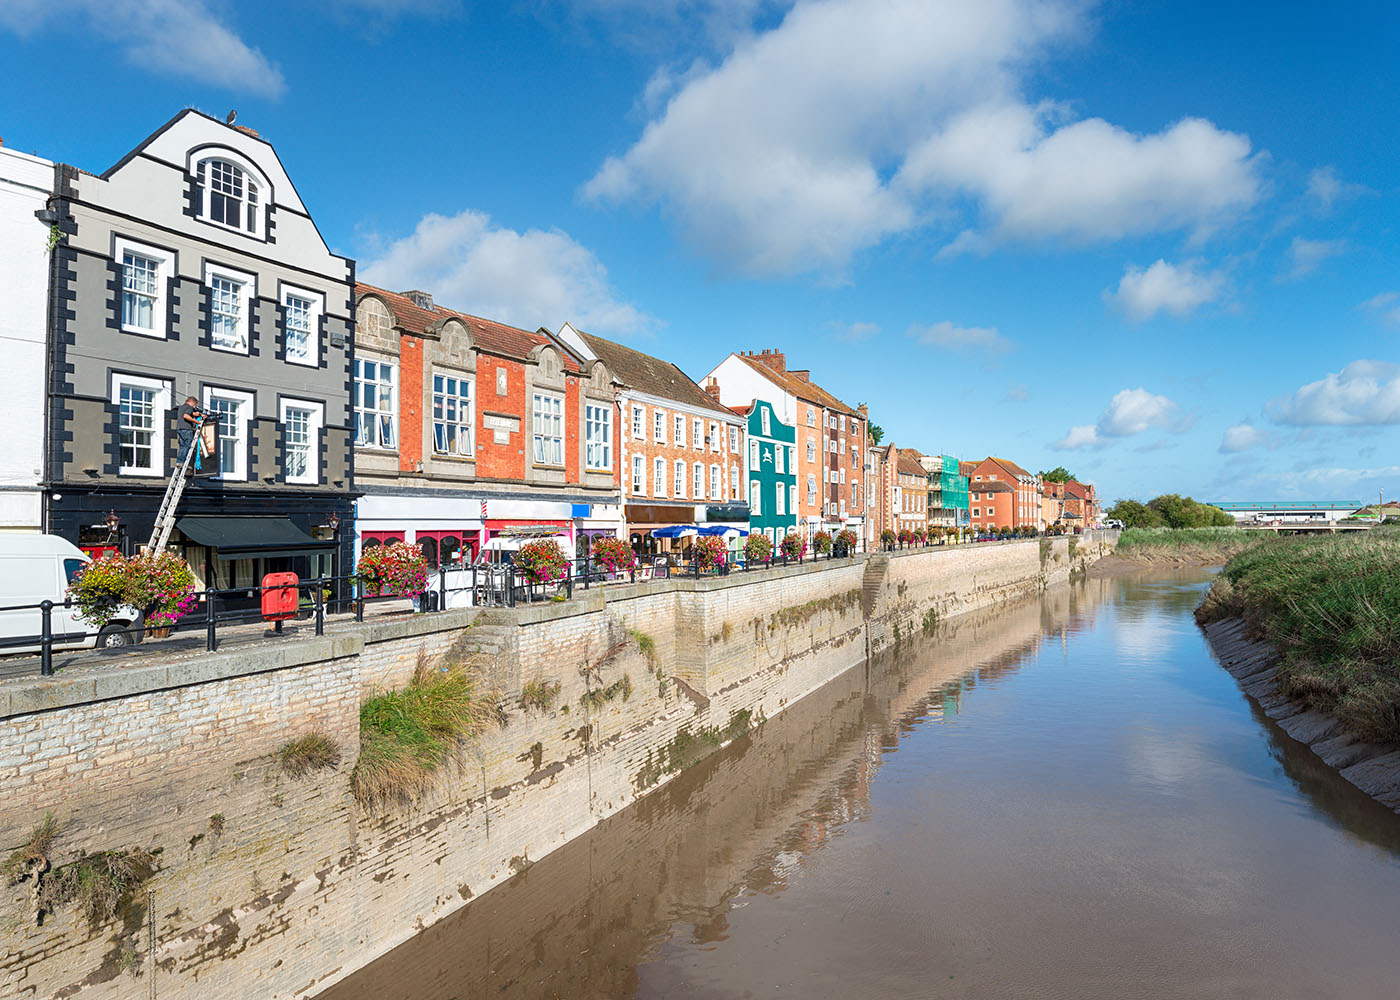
(953, 487)
(772, 452)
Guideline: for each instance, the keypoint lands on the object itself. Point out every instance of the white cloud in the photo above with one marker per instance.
(1129, 412)
(1163, 287)
(853, 120)
(1087, 181)
(853, 332)
(1083, 436)
(1304, 256)
(172, 37)
(961, 338)
(1363, 393)
(1242, 437)
(1326, 188)
(1017, 392)
(1383, 305)
(530, 279)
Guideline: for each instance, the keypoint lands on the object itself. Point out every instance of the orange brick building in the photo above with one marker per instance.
(1022, 509)
(466, 427)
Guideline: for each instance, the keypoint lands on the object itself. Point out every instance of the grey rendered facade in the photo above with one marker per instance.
(191, 268)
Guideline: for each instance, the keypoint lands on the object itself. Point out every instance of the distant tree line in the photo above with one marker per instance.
(1170, 510)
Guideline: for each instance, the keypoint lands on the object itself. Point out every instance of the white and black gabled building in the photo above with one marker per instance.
(192, 268)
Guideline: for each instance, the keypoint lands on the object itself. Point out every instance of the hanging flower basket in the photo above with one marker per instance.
(888, 537)
(614, 555)
(710, 552)
(758, 548)
(845, 542)
(821, 541)
(542, 561)
(161, 586)
(397, 569)
(794, 546)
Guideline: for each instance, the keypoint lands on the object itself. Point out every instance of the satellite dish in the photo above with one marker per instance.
(231, 117)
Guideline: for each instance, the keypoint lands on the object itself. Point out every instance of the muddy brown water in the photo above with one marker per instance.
(1066, 798)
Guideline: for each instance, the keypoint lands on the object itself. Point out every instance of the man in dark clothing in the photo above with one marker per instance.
(187, 424)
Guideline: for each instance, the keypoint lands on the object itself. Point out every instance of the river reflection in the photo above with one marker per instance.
(1065, 798)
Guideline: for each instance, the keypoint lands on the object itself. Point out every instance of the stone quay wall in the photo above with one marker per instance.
(275, 886)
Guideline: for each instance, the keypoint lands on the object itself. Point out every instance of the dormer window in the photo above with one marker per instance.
(232, 193)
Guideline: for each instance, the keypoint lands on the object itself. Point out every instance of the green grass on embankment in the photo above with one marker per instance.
(1184, 546)
(1331, 604)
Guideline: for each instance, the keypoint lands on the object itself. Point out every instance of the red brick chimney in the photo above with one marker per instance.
(247, 131)
(712, 387)
(774, 359)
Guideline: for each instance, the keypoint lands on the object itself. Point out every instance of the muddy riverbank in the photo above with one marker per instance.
(1372, 767)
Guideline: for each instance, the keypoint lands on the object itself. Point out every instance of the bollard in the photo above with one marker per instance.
(320, 609)
(359, 601)
(46, 638)
(442, 587)
(211, 639)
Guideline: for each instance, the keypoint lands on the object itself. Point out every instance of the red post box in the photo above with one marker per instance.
(279, 596)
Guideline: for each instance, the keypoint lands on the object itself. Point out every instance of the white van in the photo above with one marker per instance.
(36, 568)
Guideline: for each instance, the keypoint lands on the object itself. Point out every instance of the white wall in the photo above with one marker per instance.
(740, 385)
(25, 184)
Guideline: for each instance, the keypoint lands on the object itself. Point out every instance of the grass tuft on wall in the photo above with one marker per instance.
(408, 735)
(312, 752)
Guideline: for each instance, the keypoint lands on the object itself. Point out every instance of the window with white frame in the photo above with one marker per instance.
(548, 415)
(680, 431)
(733, 439)
(230, 307)
(811, 450)
(778, 507)
(144, 274)
(716, 489)
(698, 481)
(301, 435)
(639, 475)
(811, 488)
(597, 431)
(639, 416)
(755, 496)
(714, 436)
(658, 429)
(302, 311)
(753, 455)
(376, 404)
(842, 445)
(734, 482)
(778, 458)
(811, 417)
(232, 196)
(658, 477)
(792, 498)
(697, 435)
(233, 410)
(453, 416)
(141, 407)
(679, 481)
(843, 476)
(764, 418)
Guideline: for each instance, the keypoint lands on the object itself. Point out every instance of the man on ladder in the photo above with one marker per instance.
(188, 426)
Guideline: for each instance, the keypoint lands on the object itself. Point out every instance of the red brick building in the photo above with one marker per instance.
(1021, 509)
(465, 428)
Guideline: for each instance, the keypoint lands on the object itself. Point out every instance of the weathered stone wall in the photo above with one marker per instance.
(273, 886)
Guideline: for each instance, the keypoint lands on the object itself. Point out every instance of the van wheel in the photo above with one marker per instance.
(113, 637)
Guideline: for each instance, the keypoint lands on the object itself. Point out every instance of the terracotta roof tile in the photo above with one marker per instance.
(1008, 465)
(652, 375)
(489, 336)
(909, 466)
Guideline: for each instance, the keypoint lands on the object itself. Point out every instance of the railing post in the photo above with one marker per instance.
(510, 586)
(359, 600)
(46, 638)
(211, 638)
(442, 587)
(320, 609)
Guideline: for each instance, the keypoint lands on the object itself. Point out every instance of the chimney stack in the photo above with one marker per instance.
(712, 387)
(247, 131)
(773, 358)
(423, 300)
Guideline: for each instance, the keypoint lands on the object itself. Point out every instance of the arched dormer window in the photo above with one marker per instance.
(231, 192)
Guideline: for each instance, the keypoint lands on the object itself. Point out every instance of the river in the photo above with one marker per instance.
(1063, 798)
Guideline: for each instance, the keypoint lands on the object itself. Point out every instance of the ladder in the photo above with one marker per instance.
(165, 519)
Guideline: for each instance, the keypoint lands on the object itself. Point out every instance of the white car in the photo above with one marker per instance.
(36, 568)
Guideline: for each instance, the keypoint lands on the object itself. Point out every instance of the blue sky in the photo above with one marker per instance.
(1154, 242)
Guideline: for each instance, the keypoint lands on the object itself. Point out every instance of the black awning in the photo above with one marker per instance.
(247, 537)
